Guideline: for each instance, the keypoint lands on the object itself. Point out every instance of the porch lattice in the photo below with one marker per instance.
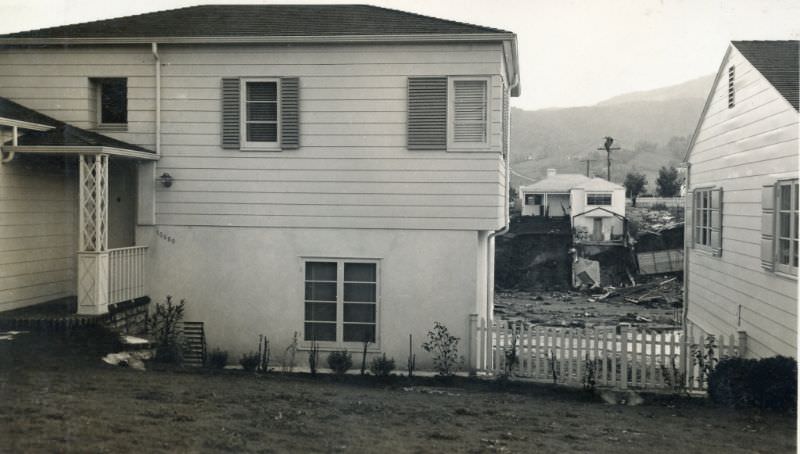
(93, 263)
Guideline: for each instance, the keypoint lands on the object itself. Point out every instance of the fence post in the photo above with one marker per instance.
(472, 361)
(742, 343)
(624, 373)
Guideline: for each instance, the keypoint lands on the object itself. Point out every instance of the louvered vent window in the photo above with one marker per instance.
(470, 113)
(731, 88)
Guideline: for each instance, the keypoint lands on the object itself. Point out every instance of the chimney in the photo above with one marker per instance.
(551, 172)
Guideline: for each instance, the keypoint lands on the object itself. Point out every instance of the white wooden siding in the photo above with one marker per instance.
(741, 149)
(38, 233)
(353, 168)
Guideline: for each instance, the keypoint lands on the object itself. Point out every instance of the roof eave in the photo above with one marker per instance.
(5, 121)
(81, 150)
(313, 39)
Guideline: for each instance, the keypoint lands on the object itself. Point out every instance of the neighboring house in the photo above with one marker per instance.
(595, 206)
(336, 171)
(741, 205)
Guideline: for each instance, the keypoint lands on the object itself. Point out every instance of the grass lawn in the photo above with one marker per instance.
(58, 398)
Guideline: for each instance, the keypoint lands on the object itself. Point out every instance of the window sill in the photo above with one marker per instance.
(265, 148)
(351, 347)
(705, 250)
(484, 148)
(785, 275)
(112, 127)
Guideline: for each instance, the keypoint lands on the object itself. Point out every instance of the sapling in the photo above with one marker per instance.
(444, 349)
(313, 357)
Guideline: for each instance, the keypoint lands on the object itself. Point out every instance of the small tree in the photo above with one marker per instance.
(444, 349)
(635, 183)
(163, 326)
(668, 183)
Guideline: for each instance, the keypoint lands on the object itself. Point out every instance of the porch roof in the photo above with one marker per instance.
(44, 134)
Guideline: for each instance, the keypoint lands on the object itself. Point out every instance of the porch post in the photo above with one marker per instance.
(93, 235)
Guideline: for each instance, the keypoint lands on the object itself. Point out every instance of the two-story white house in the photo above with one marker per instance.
(741, 209)
(595, 206)
(335, 171)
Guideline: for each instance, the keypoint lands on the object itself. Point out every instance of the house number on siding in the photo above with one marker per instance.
(165, 237)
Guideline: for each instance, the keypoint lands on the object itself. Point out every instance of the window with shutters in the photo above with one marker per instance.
(260, 107)
(468, 113)
(707, 205)
(786, 236)
(341, 301)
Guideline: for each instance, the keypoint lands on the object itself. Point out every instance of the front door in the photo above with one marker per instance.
(597, 231)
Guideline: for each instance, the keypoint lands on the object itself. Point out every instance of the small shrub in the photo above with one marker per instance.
(769, 383)
(217, 359)
(444, 349)
(382, 366)
(313, 358)
(249, 361)
(340, 362)
(163, 326)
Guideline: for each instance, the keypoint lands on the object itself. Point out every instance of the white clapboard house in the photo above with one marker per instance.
(741, 213)
(335, 171)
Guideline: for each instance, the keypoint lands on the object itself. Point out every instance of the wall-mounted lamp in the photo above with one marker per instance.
(165, 179)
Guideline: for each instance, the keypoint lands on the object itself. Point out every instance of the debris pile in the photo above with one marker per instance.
(656, 304)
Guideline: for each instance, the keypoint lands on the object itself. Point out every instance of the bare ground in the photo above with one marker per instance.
(54, 398)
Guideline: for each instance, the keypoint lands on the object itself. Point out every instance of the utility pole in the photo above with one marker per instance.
(608, 148)
(587, 161)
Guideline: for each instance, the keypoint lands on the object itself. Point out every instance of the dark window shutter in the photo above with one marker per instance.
(689, 220)
(230, 113)
(290, 113)
(716, 222)
(427, 113)
(768, 227)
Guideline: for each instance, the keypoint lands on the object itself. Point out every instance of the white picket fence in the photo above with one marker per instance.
(628, 358)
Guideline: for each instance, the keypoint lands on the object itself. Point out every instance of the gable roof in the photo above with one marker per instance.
(59, 134)
(778, 62)
(599, 184)
(261, 20)
(562, 182)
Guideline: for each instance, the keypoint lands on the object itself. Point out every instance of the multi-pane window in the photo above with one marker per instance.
(787, 226)
(469, 112)
(260, 108)
(341, 301)
(598, 199)
(707, 206)
(702, 217)
(533, 199)
(112, 100)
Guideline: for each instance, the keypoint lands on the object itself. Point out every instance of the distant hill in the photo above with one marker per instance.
(652, 128)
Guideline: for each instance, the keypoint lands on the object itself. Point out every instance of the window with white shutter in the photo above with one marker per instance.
(468, 110)
(786, 236)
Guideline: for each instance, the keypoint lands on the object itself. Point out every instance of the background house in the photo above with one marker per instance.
(595, 206)
(311, 168)
(741, 209)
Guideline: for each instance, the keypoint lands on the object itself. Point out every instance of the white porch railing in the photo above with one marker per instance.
(126, 273)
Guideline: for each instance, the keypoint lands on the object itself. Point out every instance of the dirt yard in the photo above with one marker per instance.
(655, 303)
(59, 399)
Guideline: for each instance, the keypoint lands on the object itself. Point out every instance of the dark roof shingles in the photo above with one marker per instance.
(62, 133)
(261, 20)
(778, 62)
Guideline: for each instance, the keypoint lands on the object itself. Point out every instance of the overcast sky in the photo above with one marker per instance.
(572, 52)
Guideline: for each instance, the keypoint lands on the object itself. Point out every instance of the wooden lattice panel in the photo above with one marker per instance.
(93, 203)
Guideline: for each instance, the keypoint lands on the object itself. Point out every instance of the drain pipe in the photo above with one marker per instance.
(506, 199)
(158, 97)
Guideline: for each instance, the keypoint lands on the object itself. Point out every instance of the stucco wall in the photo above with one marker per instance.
(245, 282)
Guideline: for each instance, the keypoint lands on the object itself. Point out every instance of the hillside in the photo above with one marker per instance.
(652, 128)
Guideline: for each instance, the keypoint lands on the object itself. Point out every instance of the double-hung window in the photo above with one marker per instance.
(786, 235)
(707, 219)
(341, 301)
(468, 113)
(598, 199)
(111, 101)
(260, 120)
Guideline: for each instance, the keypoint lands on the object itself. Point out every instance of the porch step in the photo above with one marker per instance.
(194, 338)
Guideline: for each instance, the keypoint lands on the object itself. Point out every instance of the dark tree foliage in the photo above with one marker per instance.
(668, 183)
(635, 183)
